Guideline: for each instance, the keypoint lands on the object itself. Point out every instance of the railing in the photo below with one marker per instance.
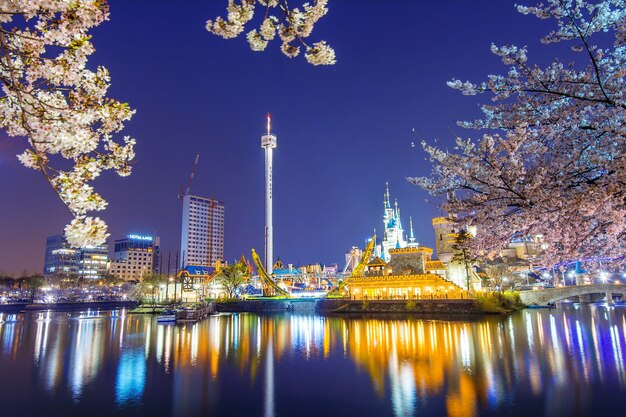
(432, 296)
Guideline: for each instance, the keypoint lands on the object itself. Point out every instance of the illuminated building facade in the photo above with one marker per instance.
(402, 269)
(60, 259)
(202, 237)
(135, 256)
(93, 262)
(410, 274)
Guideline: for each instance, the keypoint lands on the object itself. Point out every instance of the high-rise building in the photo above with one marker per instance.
(202, 236)
(94, 261)
(135, 256)
(61, 258)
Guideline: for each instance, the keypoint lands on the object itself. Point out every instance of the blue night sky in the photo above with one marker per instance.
(342, 130)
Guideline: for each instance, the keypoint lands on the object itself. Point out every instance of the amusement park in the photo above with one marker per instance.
(397, 268)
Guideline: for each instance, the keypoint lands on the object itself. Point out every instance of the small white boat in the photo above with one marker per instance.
(168, 316)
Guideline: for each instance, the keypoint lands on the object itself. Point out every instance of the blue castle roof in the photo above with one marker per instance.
(286, 271)
(199, 270)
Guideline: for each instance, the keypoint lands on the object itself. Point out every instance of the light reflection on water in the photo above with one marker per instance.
(559, 362)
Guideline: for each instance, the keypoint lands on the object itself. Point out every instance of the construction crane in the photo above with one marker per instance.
(185, 191)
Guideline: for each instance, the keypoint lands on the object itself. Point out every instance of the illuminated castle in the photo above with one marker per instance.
(393, 232)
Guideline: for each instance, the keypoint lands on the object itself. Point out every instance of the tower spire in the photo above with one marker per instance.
(387, 198)
(269, 123)
(411, 236)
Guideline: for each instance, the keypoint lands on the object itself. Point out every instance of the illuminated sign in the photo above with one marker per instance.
(139, 237)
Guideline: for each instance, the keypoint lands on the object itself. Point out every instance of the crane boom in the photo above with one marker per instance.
(185, 191)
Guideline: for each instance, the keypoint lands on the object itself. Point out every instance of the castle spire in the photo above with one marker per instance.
(411, 236)
(387, 198)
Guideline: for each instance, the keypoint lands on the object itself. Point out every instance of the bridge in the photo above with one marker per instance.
(551, 295)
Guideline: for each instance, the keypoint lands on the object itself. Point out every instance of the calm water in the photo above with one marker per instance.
(567, 362)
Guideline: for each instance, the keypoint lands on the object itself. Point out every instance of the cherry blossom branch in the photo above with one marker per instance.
(61, 107)
(294, 24)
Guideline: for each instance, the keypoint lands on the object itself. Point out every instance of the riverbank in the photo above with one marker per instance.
(344, 306)
(499, 302)
(97, 305)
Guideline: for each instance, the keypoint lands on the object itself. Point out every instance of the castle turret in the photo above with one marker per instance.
(444, 238)
(393, 236)
(412, 242)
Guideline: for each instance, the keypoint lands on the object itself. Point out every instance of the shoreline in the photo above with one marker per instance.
(101, 305)
(349, 307)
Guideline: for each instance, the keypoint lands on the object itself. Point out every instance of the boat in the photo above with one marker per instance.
(168, 316)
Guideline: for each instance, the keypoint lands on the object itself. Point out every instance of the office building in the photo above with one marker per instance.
(135, 256)
(60, 259)
(93, 262)
(63, 260)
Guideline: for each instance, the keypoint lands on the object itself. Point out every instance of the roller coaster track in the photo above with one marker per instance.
(360, 268)
(265, 277)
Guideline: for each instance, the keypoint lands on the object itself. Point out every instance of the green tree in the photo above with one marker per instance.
(233, 276)
(149, 286)
(500, 274)
(462, 253)
(109, 279)
(34, 283)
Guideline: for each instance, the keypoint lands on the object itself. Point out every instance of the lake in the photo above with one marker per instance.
(569, 361)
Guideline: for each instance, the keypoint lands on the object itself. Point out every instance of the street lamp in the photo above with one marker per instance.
(161, 288)
(604, 276)
(150, 287)
(196, 287)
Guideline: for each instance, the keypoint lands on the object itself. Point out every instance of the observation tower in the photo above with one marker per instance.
(268, 142)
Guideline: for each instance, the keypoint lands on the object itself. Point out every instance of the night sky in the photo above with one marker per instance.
(342, 130)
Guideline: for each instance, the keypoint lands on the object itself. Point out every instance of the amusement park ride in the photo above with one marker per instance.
(195, 277)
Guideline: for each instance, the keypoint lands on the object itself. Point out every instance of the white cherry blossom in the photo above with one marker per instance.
(293, 25)
(60, 107)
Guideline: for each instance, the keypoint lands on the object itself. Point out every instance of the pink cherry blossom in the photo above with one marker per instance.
(552, 162)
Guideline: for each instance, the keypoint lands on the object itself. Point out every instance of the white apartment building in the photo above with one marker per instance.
(202, 237)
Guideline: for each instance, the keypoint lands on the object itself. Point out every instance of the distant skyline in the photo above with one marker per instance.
(343, 130)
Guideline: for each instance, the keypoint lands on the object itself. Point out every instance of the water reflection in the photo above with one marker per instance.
(131, 375)
(551, 362)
